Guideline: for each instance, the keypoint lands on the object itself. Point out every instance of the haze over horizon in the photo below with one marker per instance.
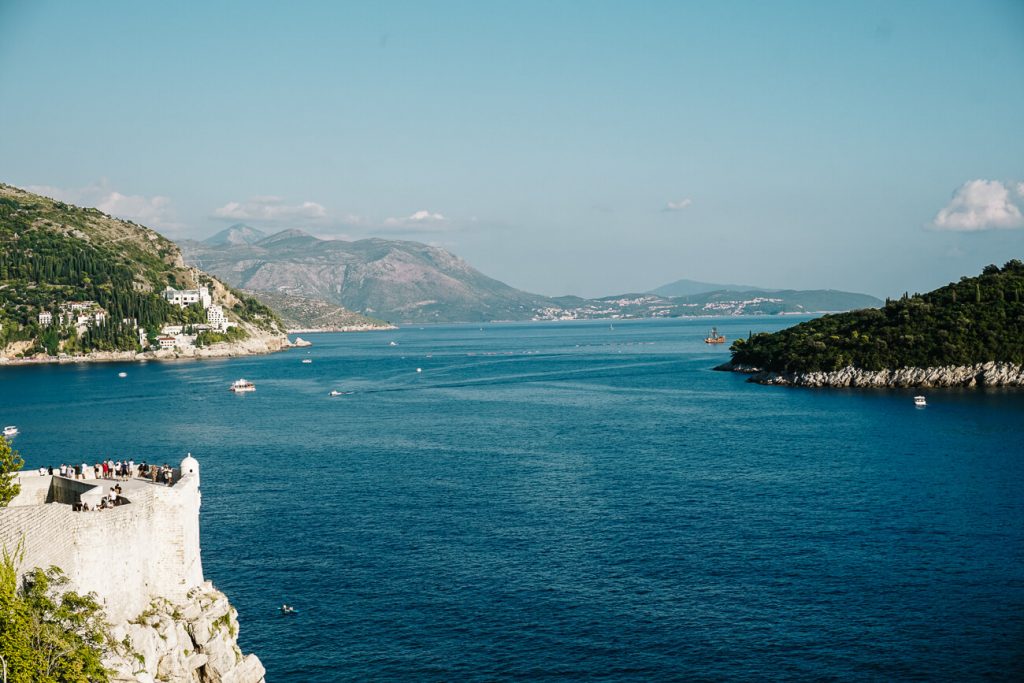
(569, 148)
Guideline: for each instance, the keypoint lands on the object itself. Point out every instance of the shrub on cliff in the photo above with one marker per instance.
(47, 633)
(10, 462)
(975, 320)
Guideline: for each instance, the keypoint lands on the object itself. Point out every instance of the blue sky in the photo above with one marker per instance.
(563, 147)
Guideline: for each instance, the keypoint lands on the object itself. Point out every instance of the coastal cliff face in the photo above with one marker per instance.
(189, 641)
(982, 374)
(141, 563)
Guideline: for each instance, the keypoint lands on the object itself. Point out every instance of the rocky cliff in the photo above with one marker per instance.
(189, 641)
(990, 374)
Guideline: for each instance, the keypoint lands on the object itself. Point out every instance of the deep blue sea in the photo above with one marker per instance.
(573, 501)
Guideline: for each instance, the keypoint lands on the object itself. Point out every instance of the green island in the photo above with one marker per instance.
(75, 281)
(974, 321)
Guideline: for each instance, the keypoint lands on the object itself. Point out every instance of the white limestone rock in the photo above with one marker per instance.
(990, 374)
(194, 641)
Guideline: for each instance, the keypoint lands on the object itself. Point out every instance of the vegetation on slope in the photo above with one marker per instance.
(976, 320)
(49, 634)
(53, 253)
(10, 462)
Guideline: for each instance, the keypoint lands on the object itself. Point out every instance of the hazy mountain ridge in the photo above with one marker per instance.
(388, 279)
(237, 234)
(404, 281)
(303, 314)
(686, 287)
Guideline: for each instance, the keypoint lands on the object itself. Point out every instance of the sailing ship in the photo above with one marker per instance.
(714, 337)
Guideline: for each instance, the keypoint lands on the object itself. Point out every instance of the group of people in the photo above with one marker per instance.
(120, 470)
(111, 500)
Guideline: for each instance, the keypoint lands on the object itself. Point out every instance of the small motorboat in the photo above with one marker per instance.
(920, 401)
(10, 431)
(288, 609)
(241, 386)
(307, 360)
(335, 392)
(392, 343)
(122, 374)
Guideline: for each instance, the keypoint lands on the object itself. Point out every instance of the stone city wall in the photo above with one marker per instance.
(127, 555)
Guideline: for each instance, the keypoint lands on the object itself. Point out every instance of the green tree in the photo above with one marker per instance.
(10, 462)
(49, 634)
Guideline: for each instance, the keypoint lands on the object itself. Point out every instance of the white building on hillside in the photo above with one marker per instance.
(81, 314)
(186, 297)
(215, 316)
(45, 318)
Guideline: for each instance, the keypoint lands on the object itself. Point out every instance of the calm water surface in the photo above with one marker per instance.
(572, 501)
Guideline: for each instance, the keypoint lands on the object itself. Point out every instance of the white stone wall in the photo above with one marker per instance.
(128, 555)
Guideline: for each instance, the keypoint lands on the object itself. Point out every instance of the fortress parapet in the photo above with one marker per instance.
(144, 548)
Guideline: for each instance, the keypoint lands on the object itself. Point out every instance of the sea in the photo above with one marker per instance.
(573, 501)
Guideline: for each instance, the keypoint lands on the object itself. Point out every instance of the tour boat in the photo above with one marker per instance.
(714, 337)
(241, 385)
(920, 401)
(10, 430)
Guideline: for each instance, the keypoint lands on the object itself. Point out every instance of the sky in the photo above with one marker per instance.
(586, 148)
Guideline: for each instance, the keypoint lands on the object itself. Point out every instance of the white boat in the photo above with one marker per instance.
(241, 385)
(920, 401)
(307, 360)
(10, 430)
(122, 374)
(335, 392)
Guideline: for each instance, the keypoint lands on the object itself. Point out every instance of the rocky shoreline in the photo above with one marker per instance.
(252, 346)
(991, 374)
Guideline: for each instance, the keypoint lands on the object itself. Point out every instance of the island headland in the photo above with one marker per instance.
(77, 285)
(966, 334)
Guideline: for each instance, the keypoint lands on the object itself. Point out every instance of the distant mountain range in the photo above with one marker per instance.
(392, 280)
(691, 287)
(237, 235)
(410, 282)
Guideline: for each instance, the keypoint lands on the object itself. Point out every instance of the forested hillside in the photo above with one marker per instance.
(55, 255)
(976, 320)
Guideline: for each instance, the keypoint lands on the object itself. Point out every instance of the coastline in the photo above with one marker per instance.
(341, 328)
(990, 374)
(254, 346)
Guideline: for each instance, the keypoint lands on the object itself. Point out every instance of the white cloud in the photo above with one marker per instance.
(422, 219)
(980, 205)
(270, 210)
(1020, 189)
(154, 212)
(678, 206)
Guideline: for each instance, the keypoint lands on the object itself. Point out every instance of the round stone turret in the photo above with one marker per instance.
(189, 466)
